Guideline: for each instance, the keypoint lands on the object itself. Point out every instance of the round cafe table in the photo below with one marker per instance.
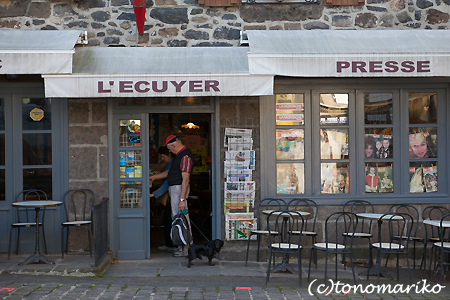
(37, 205)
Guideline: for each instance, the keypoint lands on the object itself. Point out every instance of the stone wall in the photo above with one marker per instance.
(88, 155)
(181, 23)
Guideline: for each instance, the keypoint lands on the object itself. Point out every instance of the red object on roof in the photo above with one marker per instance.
(139, 14)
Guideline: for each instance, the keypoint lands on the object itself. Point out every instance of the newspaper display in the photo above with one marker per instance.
(239, 187)
(239, 225)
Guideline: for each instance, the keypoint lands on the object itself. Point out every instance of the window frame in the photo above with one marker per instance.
(400, 89)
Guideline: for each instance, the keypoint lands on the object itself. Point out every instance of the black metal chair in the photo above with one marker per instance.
(26, 217)
(265, 204)
(432, 212)
(443, 245)
(390, 226)
(364, 229)
(335, 242)
(281, 225)
(414, 213)
(78, 208)
(309, 206)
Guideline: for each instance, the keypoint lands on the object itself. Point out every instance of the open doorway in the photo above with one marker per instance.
(194, 130)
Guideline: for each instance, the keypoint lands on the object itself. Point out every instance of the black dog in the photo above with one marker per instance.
(207, 249)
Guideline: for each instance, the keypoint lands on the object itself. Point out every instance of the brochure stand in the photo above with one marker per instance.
(239, 187)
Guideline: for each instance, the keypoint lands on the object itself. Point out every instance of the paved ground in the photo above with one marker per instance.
(166, 277)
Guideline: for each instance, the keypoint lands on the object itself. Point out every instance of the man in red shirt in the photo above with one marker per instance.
(178, 179)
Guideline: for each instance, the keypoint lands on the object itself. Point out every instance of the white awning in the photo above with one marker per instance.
(37, 51)
(350, 53)
(158, 72)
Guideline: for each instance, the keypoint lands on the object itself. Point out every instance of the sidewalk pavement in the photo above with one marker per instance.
(167, 277)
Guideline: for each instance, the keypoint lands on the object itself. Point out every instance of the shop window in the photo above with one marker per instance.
(130, 163)
(334, 138)
(37, 147)
(290, 146)
(423, 143)
(373, 143)
(378, 143)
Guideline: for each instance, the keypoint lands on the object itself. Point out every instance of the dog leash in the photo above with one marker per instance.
(199, 230)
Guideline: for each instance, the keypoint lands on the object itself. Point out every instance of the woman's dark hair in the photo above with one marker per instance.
(165, 151)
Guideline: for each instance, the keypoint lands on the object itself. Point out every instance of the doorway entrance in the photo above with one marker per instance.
(194, 130)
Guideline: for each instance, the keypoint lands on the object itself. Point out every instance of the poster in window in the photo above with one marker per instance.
(371, 180)
(430, 179)
(386, 180)
(369, 146)
(416, 180)
(386, 146)
(422, 142)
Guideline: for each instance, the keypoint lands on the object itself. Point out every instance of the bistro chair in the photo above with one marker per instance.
(265, 205)
(335, 242)
(390, 226)
(26, 217)
(309, 227)
(432, 212)
(364, 229)
(443, 245)
(281, 225)
(414, 213)
(78, 207)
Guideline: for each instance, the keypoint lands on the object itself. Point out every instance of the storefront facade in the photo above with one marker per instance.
(335, 115)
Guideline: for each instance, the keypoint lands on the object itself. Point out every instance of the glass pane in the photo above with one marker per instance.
(290, 109)
(333, 108)
(334, 178)
(290, 144)
(334, 143)
(38, 179)
(36, 114)
(130, 133)
(422, 108)
(130, 164)
(2, 114)
(290, 178)
(2, 185)
(379, 178)
(378, 108)
(130, 194)
(2, 149)
(195, 101)
(422, 142)
(37, 149)
(423, 177)
(378, 143)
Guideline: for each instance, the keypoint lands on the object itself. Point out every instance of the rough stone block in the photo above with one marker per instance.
(15, 8)
(78, 111)
(366, 20)
(99, 112)
(82, 162)
(170, 15)
(83, 135)
(39, 10)
(260, 13)
(196, 35)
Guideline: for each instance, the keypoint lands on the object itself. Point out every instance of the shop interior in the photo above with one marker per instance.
(194, 130)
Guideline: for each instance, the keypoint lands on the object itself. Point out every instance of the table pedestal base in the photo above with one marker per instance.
(36, 258)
